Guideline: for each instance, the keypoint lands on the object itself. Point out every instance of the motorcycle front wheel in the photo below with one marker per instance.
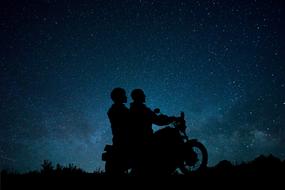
(195, 157)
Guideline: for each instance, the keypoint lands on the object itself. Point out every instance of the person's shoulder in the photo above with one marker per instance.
(118, 107)
(146, 107)
(148, 111)
(112, 109)
(139, 107)
(125, 108)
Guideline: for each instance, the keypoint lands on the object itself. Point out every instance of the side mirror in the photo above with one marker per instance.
(156, 110)
(182, 115)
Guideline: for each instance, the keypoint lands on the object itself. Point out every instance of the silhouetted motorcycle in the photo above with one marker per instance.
(171, 150)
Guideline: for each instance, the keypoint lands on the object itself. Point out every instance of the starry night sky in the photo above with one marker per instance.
(221, 62)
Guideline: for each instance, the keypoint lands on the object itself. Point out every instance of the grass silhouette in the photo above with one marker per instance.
(58, 175)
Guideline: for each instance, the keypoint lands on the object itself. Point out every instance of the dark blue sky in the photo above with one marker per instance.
(222, 62)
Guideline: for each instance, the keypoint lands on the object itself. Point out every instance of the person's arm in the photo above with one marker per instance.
(161, 119)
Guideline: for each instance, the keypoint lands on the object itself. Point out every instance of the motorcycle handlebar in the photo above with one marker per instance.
(182, 115)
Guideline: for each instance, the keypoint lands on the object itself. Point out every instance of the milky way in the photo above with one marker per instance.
(221, 62)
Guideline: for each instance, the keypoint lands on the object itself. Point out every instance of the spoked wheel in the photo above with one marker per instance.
(195, 157)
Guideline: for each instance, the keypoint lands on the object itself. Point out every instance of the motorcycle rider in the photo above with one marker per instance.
(142, 119)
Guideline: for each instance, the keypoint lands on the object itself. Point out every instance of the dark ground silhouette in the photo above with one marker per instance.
(262, 168)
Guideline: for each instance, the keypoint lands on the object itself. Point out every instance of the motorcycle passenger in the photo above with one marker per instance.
(119, 116)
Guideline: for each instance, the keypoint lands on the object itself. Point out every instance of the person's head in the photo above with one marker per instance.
(118, 95)
(138, 95)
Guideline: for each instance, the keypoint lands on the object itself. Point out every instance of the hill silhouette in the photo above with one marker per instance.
(262, 167)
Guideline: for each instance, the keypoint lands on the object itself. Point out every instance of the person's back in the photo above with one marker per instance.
(119, 118)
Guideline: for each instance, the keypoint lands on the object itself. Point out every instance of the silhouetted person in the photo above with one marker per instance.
(142, 119)
(119, 116)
